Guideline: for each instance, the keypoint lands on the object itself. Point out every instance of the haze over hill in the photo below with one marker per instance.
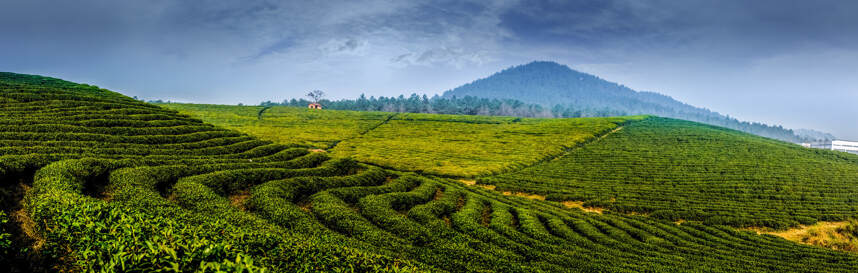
(576, 94)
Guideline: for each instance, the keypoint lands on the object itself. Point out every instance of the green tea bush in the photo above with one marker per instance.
(116, 185)
(680, 170)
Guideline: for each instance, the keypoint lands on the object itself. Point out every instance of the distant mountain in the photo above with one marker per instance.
(570, 93)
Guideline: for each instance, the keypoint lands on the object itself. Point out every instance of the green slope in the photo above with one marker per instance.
(288, 125)
(680, 170)
(115, 185)
(112, 184)
(468, 146)
(447, 145)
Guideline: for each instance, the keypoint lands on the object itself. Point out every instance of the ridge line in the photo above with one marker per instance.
(566, 150)
(337, 142)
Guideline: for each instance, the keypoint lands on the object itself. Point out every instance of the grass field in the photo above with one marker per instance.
(103, 183)
(679, 170)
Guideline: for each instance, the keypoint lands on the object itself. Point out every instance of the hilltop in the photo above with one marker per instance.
(575, 94)
(550, 83)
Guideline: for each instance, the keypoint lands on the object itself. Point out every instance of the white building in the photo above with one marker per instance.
(836, 145)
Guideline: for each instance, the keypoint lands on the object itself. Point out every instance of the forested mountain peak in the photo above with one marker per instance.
(542, 67)
(542, 82)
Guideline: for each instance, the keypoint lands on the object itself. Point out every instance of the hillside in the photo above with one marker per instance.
(446, 145)
(576, 94)
(680, 170)
(99, 182)
(467, 146)
(287, 125)
(105, 182)
(704, 173)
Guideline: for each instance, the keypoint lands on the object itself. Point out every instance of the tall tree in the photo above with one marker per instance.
(316, 95)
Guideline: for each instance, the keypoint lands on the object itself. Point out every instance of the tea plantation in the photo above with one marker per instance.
(680, 170)
(446, 145)
(98, 182)
(468, 146)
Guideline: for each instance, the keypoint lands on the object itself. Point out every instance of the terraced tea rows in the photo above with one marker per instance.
(90, 155)
(152, 190)
(672, 169)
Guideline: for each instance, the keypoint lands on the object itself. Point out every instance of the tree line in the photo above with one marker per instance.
(470, 105)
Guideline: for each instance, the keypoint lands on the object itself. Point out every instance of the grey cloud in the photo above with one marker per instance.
(730, 28)
(401, 58)
(455, 57)
(346, 46)
(277, 47)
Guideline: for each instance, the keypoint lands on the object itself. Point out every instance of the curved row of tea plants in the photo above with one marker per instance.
(184, 196)
(680, 170)
(79, 148)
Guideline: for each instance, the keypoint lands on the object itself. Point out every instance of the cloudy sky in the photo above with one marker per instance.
(785, 62)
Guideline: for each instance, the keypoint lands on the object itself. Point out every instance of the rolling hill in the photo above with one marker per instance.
(446, 145)
(576, 94)
(96, 181)
(700, 172)
(680, 170)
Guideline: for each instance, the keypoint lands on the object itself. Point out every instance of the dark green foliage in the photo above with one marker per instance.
(467, 105)
(679, 170)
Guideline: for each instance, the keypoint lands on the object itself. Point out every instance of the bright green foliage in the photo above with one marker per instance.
(449, 145)
(111, 238)
(288, 125)
(470, 145)
(676, 170)
(155, 191)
